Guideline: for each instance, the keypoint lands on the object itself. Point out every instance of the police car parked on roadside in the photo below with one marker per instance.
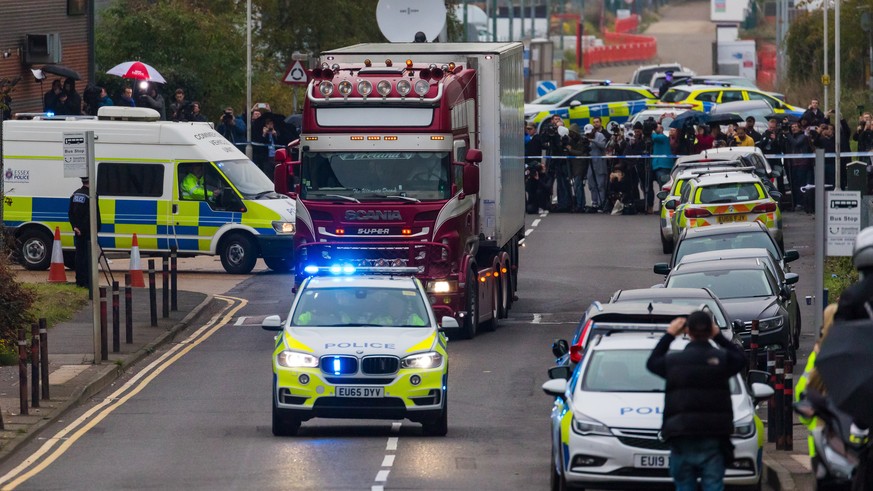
(607, 418)
(364, 346)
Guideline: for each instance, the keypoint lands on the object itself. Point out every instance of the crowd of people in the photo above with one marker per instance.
(563, 160)
(269, 130)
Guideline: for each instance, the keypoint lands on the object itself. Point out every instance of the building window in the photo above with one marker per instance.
(77, 7)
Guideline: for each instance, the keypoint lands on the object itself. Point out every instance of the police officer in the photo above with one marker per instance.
(80, 219)
(397, 314)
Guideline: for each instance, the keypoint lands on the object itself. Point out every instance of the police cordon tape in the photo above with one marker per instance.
(773, 156)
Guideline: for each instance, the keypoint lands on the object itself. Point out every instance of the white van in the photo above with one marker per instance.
(141, 163)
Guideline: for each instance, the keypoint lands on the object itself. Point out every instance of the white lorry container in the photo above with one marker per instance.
(141, 163)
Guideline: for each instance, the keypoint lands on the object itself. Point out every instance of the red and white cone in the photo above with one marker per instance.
(57, 271)
(136, 278)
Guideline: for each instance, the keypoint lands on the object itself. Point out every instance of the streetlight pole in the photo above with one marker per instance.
(825, 77)
(249, 78)
(837, 84)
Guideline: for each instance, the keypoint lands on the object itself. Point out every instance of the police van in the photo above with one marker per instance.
(142, 164)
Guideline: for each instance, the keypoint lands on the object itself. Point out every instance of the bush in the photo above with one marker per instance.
(839, 275)
(15, 305)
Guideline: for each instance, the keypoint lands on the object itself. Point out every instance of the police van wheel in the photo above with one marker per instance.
(471, 320)
(35, 250)
(283, 424)
(440, 425)
(279, 264)
(239, 253)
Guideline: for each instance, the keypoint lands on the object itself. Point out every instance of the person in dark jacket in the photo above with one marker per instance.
(698, 415)
(813, 115)
(796, 142)
(80, 219)
(152, 99)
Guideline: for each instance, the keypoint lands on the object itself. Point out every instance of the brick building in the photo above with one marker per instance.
(50, 23)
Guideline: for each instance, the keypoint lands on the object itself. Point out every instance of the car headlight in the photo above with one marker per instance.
(283, 227)
(295, 359)
(770, 323)
(442, 286)
(744, 428)
(431, 359)
(589, 426)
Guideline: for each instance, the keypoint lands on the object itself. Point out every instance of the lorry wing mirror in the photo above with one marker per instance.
(471, 176)
(473, 155)
(281, 155)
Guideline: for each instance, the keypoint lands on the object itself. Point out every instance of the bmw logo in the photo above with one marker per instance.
(360, 352)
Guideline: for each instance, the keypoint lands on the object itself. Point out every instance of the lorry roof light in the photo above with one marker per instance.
(345, 88)
(374, 137)
(356, 138)
(368, 63)
(403, 87)
(388, 62)
(326, 87)
(365, 87)
(383, 88)
(311, 138)
(408, 63)
(452, 67)
(391, 138)
(421, 87)
(438, 137)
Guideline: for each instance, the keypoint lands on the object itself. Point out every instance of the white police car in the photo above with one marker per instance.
(360, 347)
(607, 418)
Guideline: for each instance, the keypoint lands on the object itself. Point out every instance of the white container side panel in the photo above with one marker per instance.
(510, 181)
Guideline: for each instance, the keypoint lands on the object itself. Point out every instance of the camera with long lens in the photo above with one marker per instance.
(649, 125)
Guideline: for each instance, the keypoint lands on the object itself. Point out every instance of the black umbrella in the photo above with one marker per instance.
(62, 71)
(725, 118)
(690, 116)
(844, 364)
(780, 116)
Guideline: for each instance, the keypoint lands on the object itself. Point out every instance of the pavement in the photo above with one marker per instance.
(73, 375)
(789, 470)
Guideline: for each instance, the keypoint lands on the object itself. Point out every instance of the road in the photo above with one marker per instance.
(197, 415)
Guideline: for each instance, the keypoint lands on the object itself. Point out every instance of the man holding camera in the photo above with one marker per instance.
(232, 128)
(698, 413)
(772, 142)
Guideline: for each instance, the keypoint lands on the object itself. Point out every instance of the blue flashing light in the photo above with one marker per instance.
(348, 269)
(336, 269)
(311, 269)
(50, 114)
(336, 366)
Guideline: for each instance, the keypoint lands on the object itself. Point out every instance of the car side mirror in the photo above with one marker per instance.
(738, 325)
(272, 323)
(791, 255)
(555, 387)
(762, 392)
(448, 322)
(575, 103)
(785, 292)
(661, 268)
(758, 377)
(561, 372)
(791, 278)
(662, 195)
(670, 205)
(471, 176)
(560, 348)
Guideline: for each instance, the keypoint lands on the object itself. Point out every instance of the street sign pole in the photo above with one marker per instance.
(820, 218)
(94, 245)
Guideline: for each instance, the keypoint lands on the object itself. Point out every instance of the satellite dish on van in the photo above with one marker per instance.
(399, 20)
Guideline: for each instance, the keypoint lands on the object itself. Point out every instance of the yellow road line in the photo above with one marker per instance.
(93, 416)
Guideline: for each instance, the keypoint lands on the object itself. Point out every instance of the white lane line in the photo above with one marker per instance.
(392, 444)
(528, 232)
(240, 321)
(544, 213)
(388, 461)
(535, 222)
(521, 243)
(537, 318)
(382, 476)
(395, 426)
(377, 488)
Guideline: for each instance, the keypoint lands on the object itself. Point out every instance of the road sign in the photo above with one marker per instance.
(75, 155)
(545, 86)
(843, 221)
(296, 74)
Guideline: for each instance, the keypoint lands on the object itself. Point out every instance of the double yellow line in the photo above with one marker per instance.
(50, 451)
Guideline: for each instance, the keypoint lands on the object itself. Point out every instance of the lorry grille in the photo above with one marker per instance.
(380, 365)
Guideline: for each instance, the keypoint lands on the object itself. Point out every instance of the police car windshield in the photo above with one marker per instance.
(728, 241)
(625, 371)
(675, 95)
(247, 177)
(556, 96)
(731, 192)
(360, 307)
(403, 176)
(742, 283)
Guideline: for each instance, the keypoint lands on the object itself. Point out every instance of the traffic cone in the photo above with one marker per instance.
(136, 279)
(57, 271)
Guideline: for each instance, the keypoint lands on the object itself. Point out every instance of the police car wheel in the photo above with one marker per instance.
(471, 320)
(440, 425)
(239, 253)
(278, 264)
(797, 326)
(666, 245)
(283, 424)
(35, 250)
(557, 481)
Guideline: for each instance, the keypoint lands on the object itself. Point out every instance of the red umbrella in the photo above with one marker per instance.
(136, 70)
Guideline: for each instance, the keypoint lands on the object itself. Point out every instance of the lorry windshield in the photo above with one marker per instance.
(376, 175)
(248, 178)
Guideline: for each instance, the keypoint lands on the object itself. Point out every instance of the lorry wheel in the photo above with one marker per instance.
(513, 271)
(279, 264)
(471, 320)
(491, 325)
(35, 250)
(239, 254)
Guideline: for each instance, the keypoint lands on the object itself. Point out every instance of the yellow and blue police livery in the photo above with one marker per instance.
(607, 417)
(359, 346)
(142, 166)
(581, 103)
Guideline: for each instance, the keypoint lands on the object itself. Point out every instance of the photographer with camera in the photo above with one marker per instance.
(180, 108)
(232, 128)
(535, 197)
(640, 176)
(555, 138)
(801, 169)
(772, 142)
(663, 161)
(598, 172)
(579, 146)
(151, 99)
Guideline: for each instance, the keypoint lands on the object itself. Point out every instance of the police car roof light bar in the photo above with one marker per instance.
(349, 270)
(613, 327)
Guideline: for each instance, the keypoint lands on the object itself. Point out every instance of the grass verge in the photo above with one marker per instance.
(839, 275)
(56, 302)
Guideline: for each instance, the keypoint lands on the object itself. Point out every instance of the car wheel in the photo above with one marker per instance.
(557, 482)
(440, 425)
(471, 320)
(791, 352)
(283, 423)
(35, 250)
(279, 264)
(666, 245)
(239, 253)
(797, 326)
